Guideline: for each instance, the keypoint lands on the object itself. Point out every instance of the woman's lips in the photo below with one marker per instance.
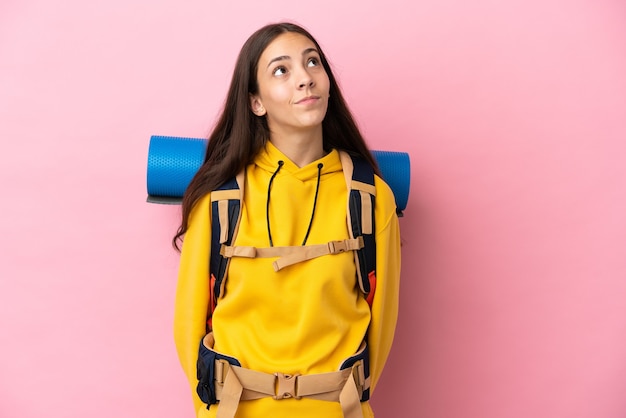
(308, 100)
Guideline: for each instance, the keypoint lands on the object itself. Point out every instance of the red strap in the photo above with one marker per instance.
(211, 301)
(372, 279)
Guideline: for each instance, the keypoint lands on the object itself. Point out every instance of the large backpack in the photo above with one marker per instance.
(226, 204)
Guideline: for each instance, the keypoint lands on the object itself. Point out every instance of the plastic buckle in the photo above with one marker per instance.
(336, 247)
(286, 386)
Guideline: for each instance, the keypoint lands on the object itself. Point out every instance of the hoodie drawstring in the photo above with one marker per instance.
(267, 206)
(317, 189)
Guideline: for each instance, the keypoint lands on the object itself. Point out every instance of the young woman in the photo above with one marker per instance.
(278, 339)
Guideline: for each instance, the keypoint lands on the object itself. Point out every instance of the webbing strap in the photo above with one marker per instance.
(225, 218)
(361, 195)
(290, 255)
(344, 386)
(230, 396)
(350, 408)
(222, 197)
(366, 212)
(222, 210)
(228, 378)
(228, 194)
(364, 187)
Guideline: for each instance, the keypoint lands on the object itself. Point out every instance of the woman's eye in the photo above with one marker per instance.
(280, 71)
(312, 62)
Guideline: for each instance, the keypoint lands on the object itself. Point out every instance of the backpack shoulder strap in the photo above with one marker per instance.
(361, 202)
(226, 204)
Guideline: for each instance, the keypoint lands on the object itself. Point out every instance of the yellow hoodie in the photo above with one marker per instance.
(306, 318)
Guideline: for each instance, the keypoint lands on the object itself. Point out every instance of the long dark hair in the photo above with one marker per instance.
(239, 134)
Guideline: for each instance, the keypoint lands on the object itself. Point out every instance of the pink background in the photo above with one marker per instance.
(513, 297)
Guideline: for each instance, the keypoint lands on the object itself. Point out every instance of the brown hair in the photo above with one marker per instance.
(239, 134)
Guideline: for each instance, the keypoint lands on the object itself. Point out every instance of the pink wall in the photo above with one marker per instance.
(514, 275)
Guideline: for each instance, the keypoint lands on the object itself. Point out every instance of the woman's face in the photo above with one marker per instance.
(293, 85)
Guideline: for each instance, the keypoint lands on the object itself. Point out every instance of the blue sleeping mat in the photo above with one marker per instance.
(173, 161)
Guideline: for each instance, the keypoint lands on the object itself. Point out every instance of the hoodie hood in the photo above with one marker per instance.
(269, 156)
(273, 162)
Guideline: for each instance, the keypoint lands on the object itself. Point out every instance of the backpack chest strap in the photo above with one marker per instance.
(290, 255)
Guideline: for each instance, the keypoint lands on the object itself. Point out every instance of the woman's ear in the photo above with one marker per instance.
(256, 105)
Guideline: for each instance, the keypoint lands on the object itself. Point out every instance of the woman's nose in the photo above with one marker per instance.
(306, 80)
(308, 83)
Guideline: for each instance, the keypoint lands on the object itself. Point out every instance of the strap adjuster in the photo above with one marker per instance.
(222, 367)
(286, 386)
(336, 247)
(358, 374)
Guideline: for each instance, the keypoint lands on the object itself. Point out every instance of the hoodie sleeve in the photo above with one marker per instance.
(192, 292)
(385, 305)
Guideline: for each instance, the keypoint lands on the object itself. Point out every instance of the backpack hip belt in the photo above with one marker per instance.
(230, 383)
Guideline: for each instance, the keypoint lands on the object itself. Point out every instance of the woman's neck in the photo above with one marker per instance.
(302, 147)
